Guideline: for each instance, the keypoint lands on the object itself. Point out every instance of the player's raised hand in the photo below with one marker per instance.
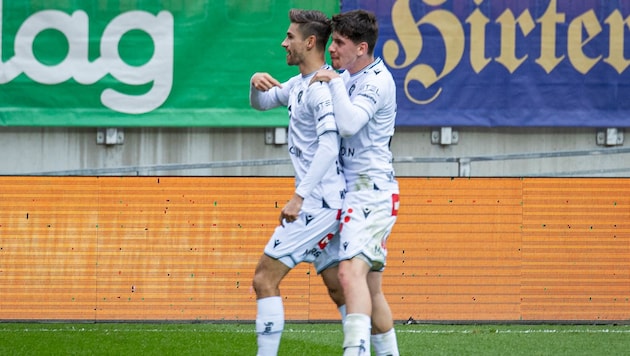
(324, 75)
(264, 81)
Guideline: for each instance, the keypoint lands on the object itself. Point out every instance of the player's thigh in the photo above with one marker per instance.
(375, 282)
(268, 275)
(271, 268)
(330, 276)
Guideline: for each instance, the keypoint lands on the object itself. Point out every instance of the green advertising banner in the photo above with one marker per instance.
(141, 63)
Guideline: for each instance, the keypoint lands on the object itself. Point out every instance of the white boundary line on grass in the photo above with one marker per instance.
(527, 331)
(294, 330)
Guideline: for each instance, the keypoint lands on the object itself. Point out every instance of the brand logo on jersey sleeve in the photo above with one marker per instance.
(351, 90)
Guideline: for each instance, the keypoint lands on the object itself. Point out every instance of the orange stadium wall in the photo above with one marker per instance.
(184, 248)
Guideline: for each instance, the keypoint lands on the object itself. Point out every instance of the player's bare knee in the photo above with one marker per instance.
(349, 272)
(263, 285)
(345, 277)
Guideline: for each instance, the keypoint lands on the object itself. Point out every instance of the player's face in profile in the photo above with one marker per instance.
(343, 52)
(294, 44)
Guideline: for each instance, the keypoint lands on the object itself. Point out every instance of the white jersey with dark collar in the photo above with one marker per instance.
(366, 156)
(310, 115)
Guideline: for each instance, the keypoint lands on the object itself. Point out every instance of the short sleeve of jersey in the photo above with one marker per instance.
(321, 102)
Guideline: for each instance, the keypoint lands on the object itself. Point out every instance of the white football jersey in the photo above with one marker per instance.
(311, 115)
(366, 156)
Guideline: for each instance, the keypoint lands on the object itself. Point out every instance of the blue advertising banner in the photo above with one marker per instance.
(506, 63)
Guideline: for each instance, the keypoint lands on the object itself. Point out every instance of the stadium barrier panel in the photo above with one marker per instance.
(185, 248)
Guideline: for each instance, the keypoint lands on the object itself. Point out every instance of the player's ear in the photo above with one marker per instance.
(310, 42)
(362, 48)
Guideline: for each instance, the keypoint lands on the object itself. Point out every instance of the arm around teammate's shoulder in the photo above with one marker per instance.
(349, 117)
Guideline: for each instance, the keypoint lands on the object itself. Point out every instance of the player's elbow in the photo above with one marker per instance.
(345, 132)
(256, 107)
(350, 122)
(255, 104)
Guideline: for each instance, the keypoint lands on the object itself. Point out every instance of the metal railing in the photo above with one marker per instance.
(464, 164)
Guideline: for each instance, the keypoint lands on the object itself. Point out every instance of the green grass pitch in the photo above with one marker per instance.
(317, 339)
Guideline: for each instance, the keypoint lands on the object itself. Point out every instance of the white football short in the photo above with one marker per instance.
(366, 222)
(312, 238)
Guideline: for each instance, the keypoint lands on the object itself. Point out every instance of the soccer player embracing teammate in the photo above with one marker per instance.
(360, 106)
(364, 102)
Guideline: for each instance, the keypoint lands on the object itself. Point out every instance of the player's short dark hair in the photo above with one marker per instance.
(312, 23)
(357, 25)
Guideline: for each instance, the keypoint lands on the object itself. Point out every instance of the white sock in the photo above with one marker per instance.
(385, 344)
(342, 312)
(356, 335)
(269, 325)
